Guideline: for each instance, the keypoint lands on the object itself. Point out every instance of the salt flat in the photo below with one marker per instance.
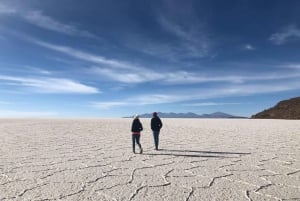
(200, 159)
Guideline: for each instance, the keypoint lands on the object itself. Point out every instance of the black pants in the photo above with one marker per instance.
(156, 138)
(136, 139)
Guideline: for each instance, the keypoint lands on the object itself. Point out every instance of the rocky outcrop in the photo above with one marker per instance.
(287, 109)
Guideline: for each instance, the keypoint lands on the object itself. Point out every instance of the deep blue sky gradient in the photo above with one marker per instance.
(108, 58)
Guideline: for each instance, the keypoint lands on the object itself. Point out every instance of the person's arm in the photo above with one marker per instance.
(152, 124)
(132, 127)
(160, 122)
(141, 127)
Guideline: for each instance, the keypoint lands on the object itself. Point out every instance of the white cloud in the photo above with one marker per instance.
(249, 47)
(210, 104)
(107, 105)
(5, 9)
(51, 85)
(180, 96)
(151, 99)
(128, 75)
(126, 72)
(290, 32)
(294, 66)
(191, 41)
(39, 70)
(184, 77)
(85, 56)
(39, 19)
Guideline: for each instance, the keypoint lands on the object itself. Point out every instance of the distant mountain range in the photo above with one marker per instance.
(286, 109)
(189, 115)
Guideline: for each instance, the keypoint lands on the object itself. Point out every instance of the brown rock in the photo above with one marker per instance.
(287, 109)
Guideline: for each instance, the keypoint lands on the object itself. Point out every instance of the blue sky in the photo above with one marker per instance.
(108, 58)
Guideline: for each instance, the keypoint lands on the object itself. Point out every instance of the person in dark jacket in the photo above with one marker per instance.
(136, 129)
(156, 125)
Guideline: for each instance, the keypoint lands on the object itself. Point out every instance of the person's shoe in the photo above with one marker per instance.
(133, 151)
(141, 150)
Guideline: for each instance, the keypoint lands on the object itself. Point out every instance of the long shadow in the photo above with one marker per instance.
(205, 152)
(212, 154)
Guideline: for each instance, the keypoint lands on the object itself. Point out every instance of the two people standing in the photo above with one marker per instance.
(137, 127)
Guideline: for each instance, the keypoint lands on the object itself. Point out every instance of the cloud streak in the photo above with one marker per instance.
(209, 104)
(288, 33)
(107, 105)
(184, 77)
(125, 72)
(7, 10)
(85, 56)
(193, 42)
(50, 85)
(39, 19)
(201, 94)
(248, 47)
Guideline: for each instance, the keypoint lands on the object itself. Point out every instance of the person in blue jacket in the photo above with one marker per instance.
(156, 125)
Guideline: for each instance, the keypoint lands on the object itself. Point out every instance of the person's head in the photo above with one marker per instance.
(154, 114)
(136, 116)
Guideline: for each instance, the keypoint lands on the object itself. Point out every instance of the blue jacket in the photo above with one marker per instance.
(156, 124)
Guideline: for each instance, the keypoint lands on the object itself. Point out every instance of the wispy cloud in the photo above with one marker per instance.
(288, 33)
(210, 104)
(184, 77)
(181, 96)
(192, 41)
(5, 9)
(149, 99)
(248, 47)
(85, 56)
(126, 72)
(39, 19)
(38, 70)
(186, 41)
(152, 99)
(50, 85)
(127, 76)
(107, 105)
(294, 66)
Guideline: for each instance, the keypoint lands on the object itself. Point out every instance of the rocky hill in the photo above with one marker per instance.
(287, 109)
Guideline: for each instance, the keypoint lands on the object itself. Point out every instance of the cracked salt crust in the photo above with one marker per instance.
(200, 159)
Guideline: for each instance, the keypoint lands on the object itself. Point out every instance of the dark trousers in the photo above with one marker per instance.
(156, 138)
(136, 139)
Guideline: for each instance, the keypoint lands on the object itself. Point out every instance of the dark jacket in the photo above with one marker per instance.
(136, 126)
(156, 124)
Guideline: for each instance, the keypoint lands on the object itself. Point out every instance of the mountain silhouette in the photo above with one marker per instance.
(189, 115)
